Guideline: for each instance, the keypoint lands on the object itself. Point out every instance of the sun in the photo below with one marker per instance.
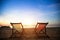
(27, 21)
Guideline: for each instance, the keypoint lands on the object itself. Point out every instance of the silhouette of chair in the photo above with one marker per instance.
(17, 29)
(40, 30)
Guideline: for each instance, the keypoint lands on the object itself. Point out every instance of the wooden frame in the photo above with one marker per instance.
(40, 30)
(16, 30)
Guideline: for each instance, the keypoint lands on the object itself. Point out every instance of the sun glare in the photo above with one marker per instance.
(28, 21)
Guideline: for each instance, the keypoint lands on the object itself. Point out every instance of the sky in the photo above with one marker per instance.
(30, 11)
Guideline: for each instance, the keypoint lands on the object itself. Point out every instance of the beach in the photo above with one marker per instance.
(29, 34)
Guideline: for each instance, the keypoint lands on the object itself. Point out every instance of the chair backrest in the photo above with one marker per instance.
(17, 26)
(41, 26)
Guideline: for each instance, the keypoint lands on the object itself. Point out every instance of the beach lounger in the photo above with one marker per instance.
(17, 29)
(40, 30)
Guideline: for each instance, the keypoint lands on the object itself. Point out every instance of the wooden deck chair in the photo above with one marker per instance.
(17, 29)
(40, 30)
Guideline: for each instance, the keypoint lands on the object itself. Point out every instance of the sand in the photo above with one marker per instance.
(29, 34)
